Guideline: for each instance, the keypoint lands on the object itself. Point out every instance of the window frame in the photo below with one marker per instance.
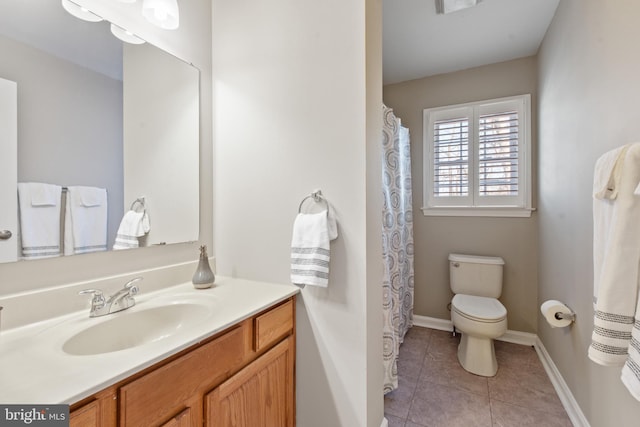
(473, 204)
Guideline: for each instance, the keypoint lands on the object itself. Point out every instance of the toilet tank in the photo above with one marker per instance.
(476, 275)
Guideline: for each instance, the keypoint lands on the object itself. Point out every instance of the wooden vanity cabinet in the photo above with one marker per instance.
(243, 376)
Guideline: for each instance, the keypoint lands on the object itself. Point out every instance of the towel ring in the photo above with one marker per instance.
(140, 201)
(317, 198)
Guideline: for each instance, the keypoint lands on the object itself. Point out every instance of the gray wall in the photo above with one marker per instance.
(69, 123)
(588, 89)
(514, 239)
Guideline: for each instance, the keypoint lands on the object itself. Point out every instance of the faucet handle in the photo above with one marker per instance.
(98, 296)
(131, 285)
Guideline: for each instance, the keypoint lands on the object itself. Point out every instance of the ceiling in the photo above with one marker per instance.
(419, 43)
(45, 25)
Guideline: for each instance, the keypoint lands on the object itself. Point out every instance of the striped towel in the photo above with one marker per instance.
(310, 248)
(39, 219)
(616, 333)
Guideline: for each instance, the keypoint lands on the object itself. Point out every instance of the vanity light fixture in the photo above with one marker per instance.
(448, 6)
(125, 35)
(162, 13)
(80, 12)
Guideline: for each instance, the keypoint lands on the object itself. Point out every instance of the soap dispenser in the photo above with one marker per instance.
(203, 277)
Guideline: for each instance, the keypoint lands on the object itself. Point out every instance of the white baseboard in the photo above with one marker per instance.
(433, 323)
(562, 389)
(516, 337)
(385, 423)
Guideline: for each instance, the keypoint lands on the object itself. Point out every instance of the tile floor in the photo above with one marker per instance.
(434, 390)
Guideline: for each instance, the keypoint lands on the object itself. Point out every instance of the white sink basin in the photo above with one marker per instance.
(131, 329)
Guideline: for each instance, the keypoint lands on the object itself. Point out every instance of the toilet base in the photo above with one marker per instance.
(477, 355)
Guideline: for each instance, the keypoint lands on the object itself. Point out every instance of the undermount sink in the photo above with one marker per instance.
(132, 329)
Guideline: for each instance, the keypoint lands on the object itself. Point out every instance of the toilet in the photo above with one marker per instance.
(476, 312)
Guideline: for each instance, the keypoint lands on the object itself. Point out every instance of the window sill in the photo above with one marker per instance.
(479, 211)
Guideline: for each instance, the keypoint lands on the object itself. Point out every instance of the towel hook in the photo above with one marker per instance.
(317, 198)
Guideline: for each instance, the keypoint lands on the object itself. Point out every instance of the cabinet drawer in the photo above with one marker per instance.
(273, 325)
(161, 394)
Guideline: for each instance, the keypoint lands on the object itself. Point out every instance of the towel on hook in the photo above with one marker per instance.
(310, 252)
(616, 248)
(39, 219)
(85, 225)
(133, 225)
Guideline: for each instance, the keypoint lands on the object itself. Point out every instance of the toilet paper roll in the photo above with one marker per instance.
(550, 308)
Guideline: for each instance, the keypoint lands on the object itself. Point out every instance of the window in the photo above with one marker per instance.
(477, 158)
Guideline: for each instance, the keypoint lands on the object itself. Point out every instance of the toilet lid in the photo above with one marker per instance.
(481, 308)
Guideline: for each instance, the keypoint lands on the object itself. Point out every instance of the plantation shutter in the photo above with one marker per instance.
(498, 154)
(476, 157)
(451, 157)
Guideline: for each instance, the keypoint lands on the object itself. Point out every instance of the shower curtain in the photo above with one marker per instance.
(397, 243)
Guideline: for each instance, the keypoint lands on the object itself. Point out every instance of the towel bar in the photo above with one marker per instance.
(317, 198)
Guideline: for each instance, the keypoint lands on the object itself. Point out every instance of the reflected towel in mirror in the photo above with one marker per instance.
(85, 223)
(39, 219)
(133, 225)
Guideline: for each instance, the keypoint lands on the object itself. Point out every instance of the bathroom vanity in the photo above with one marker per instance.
(231, 365)
(244, 374)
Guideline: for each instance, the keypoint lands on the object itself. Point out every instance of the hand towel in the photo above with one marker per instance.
(616, 249)
(310, 252)
(39, 219)
(133, 225)
(85, 220)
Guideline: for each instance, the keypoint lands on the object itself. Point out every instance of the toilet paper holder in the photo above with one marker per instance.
(568, 316)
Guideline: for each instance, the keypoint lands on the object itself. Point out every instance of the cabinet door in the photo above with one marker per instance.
(183, 419)
(86, 416)
(100, 412)
(260, 395)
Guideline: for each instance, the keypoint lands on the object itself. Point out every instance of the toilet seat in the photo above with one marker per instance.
(479, 309)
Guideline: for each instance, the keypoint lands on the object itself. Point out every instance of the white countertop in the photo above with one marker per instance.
(34, 369)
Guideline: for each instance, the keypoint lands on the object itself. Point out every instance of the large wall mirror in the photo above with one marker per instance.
(96, 112)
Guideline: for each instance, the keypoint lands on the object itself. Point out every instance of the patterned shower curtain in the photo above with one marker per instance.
(397, 243)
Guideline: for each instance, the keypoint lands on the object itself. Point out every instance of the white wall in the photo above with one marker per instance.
(290, 116)
(588, 95)
(191, 42)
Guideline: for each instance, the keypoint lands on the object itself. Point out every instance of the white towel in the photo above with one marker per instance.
(39, 219)
(310, 252)
(616, 334)
(85, 227)
(133, 225)
(608, 172)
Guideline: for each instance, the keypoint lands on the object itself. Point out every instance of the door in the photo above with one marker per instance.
(8, 171)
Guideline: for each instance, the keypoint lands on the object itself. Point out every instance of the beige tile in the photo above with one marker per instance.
(436, 391)
(436, 405)
(443, 345)
(515, 355)
(450, 372)
(526, 386)
(507, 415)
(394, 421)
(398, 401)
(410, 362)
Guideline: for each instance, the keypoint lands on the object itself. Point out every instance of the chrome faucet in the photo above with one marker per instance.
(119, 301)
